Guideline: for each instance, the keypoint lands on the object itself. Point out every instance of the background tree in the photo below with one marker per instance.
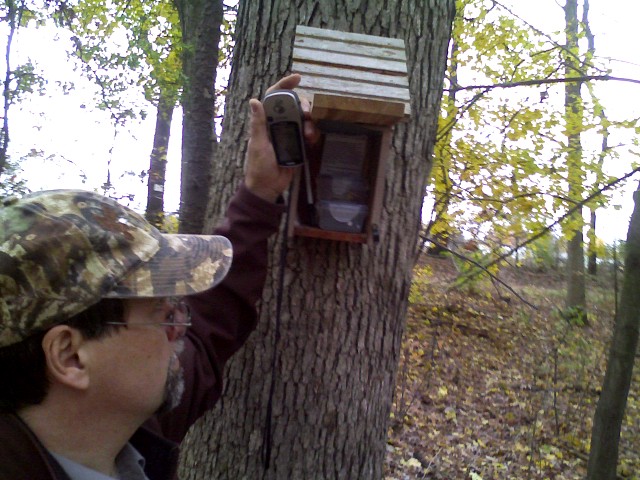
(502, 166)
(576, 296)
(200, 21)
(344, 304)
(147, 60)
(13, 14)
(609, 414)
(172, 53)
(18, 81)
(493, 152)
(440, 228)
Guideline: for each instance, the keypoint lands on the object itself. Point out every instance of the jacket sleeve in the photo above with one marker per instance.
(224, 316)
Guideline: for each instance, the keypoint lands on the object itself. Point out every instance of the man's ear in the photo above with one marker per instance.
(63, 349)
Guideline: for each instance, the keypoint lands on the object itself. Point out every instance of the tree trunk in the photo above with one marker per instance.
(158, 162)
(604, 127)
(443, 185)
(344, 304)
(617, 380)
(592, 264)
(13, 18)
(576, 298)
(200, 21)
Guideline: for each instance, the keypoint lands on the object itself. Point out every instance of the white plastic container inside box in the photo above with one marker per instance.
(347, 188)
(341, 216)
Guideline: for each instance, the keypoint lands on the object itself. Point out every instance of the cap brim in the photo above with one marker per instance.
(183, 265)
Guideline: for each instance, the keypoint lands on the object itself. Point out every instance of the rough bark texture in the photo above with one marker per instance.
(344, 304)
(158, 162)
(605, 436)
(576, 298)
(200, 21)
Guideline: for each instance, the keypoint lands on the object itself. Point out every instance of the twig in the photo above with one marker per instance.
(544, 81)
(493, 277)
(544, 231)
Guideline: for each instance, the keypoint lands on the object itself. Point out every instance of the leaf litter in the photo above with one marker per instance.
(489, 388)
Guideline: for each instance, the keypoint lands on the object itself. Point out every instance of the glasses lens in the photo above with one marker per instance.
(181, 311)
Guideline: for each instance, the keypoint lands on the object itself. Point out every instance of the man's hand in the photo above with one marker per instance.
(263, 176)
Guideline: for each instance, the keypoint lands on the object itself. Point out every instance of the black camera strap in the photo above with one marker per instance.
(267, 439)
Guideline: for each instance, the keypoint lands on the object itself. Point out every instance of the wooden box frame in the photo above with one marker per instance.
(378, 149)
(355, 83)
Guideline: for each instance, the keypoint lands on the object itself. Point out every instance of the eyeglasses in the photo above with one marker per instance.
(179, 318)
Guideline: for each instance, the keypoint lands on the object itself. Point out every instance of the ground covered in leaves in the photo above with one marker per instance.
(490, 388)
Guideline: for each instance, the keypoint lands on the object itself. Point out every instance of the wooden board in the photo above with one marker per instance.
(306, 231)
(370, 78)
(357, 110)
(355, 66)
(355, 61)
(348, 37)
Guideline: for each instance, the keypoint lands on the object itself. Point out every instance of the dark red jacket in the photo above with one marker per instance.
(222, 318)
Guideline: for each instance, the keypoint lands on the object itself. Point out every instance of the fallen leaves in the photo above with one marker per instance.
(488, 389)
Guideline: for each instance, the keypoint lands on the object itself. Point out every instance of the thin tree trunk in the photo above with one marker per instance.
(442, 161)
(605, 435)
(158, 162)
(14, 15)
(576, 298)
(344, 304)
(592, 264)
(200, 21)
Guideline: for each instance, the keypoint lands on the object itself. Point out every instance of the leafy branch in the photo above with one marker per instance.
(549, 227)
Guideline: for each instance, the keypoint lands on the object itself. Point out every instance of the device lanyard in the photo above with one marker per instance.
(267, 440)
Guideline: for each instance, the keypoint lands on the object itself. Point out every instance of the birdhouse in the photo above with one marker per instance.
(358, 89)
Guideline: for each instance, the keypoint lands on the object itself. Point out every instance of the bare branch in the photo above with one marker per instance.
(544, 81)
(545, 230)
(485, 269)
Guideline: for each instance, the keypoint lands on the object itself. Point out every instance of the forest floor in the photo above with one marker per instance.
(490, 388)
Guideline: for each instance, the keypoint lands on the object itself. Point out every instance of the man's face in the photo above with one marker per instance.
(140, 373)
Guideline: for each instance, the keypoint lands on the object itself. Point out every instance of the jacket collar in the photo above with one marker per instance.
(23, 456)
(21, 453)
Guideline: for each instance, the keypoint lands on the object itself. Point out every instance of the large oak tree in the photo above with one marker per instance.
(344, 304)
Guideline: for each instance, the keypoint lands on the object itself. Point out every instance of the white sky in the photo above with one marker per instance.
(80, 138)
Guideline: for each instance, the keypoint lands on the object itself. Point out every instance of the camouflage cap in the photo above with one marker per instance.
(62, 251)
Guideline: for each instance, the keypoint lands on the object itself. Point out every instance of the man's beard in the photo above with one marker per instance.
(174, 387)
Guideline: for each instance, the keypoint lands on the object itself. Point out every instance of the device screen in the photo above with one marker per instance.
(286, 142)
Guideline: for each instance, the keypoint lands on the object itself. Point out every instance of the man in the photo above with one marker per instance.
(102, 371)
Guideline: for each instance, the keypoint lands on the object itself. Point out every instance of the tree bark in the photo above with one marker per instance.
(592, 263)
(158, 162)
(605, 435)
(576, 298)
(344, 304)
(200, 21)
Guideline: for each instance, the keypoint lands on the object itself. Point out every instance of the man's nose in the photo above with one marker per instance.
(176, 332)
